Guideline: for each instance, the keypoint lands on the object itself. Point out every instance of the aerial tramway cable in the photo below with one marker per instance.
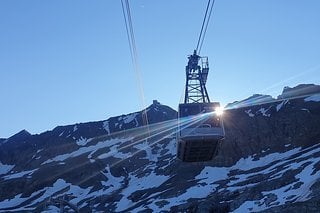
(204, 25)
(134, 56)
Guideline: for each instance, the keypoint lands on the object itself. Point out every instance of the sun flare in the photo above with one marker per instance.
(219, 110)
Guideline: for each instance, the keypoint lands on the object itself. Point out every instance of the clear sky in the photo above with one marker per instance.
(63, 62)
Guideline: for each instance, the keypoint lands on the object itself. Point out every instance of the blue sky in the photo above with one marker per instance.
(63, 62)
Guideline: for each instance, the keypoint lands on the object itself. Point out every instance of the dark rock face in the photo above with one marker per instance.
(23, 135)
(269, 161)
(272, 127)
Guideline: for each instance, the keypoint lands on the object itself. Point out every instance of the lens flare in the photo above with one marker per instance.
(219, 110)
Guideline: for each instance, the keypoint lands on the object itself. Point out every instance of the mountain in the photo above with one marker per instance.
(251, 101)
(269, 162)
(300, 90)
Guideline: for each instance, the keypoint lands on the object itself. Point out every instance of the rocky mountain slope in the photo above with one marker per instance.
(269, 161)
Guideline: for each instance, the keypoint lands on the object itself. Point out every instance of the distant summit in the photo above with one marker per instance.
(300, 90)
(20, 136)
(252, 100)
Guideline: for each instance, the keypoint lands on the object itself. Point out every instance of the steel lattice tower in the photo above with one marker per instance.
(196, 77)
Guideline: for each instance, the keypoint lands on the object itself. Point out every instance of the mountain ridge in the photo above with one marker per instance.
(299, 90)
(269, 161)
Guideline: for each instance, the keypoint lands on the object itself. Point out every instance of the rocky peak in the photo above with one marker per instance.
(252, 100)
(299, 90)
(20, 136)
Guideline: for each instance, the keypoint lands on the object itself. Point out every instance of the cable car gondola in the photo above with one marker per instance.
(200, 140)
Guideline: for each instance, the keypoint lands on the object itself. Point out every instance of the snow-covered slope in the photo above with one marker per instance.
(269, 161)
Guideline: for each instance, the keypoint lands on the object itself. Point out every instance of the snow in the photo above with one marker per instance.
(105, 125)
(82, 141)
(302, 160)
(273, 160)
(202, 189)
(249, 113)
(198, 191)
(8, 203)
(84, 150)
(315, 98)
(75, 128)
(58, 186)
(16, 201)
(135, 184)
(78, 192)
(264, 111)
(246, 164)
(52, 209)
(61, 134)
(250, 206)
(146, 147)
(212, 174)
(4, 169)
(306, 177)
(61, 186)
(304, 109)
(273, 166)
(170, 148)
(287, 193)
(283, 103)
(137, 123)
(114, 152)
(127, 119)
(112, 180)
(20, 174)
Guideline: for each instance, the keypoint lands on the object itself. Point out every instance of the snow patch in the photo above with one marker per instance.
(112, 181)
(4, 169)
(249, 113)
(114, 152)
(135, 184)
(283, 103)
(105, 125)
(248, 163)
(137, 123)
(210, 175)
(90, 149)
(264, 111)
(146, 147)
(315, 98)
(127, 119)
(20, 174)
(82, 141)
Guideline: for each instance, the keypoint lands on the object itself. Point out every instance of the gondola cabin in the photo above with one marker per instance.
(200, 131)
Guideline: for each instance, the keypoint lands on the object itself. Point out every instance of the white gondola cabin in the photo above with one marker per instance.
(200, 131)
